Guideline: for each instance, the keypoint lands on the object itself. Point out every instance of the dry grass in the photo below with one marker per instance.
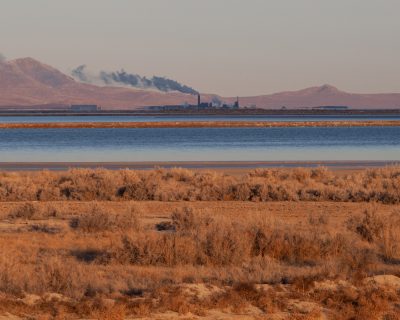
(34, 211)
(108, 268)
(124, 259)
(383, 231)
(99, 219)
(373, 185)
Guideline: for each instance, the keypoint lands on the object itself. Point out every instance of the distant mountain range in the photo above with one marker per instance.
(28, 82)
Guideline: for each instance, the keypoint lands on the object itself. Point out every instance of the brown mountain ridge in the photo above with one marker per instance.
(28, 82)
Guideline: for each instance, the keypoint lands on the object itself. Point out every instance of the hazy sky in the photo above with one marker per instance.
(230, 47)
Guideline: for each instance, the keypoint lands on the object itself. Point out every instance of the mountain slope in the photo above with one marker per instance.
(325, 95)
(27, 82)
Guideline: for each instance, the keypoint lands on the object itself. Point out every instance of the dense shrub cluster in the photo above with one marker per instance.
(98, 219)
(382, 185)
(205, 240)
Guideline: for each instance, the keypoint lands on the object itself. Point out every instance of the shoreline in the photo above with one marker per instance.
(31, 111)
(199, 124)
(232, 166)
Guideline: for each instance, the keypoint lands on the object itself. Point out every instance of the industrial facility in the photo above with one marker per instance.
(214, 105)
(332, 108)
(84, 108)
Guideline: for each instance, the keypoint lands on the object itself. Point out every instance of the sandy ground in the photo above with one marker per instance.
(293, 214)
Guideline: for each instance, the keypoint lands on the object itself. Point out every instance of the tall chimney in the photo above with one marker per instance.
(237, 103)
(198, 100)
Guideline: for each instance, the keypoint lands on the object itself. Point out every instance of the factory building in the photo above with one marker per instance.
(236, 104)
(202, 105)
(215, 105)
(85, 108)
(332, 108)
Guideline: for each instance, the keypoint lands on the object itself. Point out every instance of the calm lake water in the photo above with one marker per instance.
(116, 118)
(200, 144)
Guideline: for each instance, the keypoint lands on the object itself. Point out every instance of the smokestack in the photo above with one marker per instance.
(198, 100)
(236, 105)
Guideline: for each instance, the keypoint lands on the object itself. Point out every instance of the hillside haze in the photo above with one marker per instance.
(28, 82)
(325, 95)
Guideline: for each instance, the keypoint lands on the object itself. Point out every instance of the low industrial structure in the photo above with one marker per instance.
(203, 106)
(84, 108)
(332, 108)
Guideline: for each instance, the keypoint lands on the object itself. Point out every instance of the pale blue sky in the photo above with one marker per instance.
(230, 47)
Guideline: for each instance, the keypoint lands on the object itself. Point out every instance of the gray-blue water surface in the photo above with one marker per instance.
(200, 144)
(175, 118)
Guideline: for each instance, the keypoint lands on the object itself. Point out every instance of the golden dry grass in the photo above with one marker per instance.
(320, 184)
(249, 261)
(235, 257)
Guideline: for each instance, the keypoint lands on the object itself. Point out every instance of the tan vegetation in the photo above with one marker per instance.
(202, 124)
(320, 184)
(109, 260)
(97, 219)
(273, 244)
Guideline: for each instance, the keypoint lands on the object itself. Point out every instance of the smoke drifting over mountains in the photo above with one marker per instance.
(28, 82)
(79, 74)
(2, 58)
(132, 80)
